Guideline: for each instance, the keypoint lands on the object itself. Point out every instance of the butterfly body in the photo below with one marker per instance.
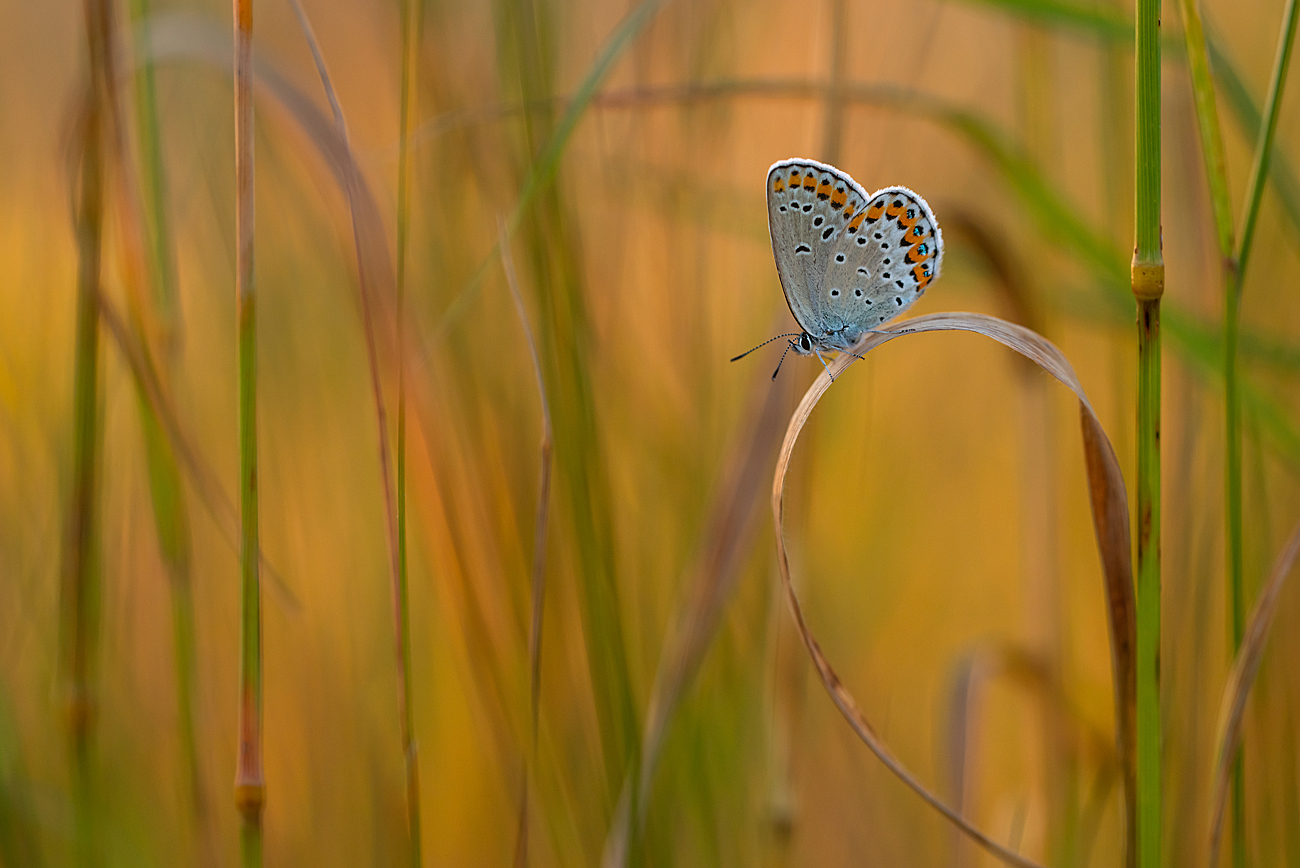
(849, 261)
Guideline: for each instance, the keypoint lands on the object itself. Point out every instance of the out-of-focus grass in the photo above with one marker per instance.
(644, 261)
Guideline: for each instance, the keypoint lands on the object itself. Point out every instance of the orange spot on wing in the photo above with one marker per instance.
(838, 198)
(895, 207)
(913, 256)
(778, 186)
(873, 213)
(922, 275)
(824, 189)
(810, 181)
(857, 221)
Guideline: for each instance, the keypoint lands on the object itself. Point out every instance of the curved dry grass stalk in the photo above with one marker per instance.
(1110, 518)
(1240, 680)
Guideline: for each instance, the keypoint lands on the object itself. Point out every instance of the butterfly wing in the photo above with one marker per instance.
(804, 198)
(883, 259)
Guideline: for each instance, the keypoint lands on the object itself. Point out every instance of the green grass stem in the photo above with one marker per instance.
(1232, 399)
(250, 784)
(1148, 286)
(80, 589)
(397, 583)
(1221, 206)
(541, 172)
(412, 20)
(170, 512)
(542, 515)
(1264, 146)
(1207, 119)
(565, 337)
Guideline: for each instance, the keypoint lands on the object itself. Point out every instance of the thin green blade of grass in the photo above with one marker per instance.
(250, 781)
(1094, 18)
(542, 171)
(170, 511)
(370, 311)
(1248, 117)
(1207, 120)
(541, 515)
(1232, 459)
(1241, 678)
(1267, 132)
(565, 333)
(1110, 517)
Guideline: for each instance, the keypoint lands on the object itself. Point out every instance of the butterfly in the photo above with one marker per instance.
(849, 262)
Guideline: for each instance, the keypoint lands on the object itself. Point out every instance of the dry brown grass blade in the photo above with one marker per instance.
(1110, 515)
(1241, 678)
(539, 538)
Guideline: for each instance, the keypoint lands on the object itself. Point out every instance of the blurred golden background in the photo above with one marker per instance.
(937, 512)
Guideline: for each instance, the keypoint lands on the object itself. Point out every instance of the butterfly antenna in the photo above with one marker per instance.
(788, 346)
(765, 343)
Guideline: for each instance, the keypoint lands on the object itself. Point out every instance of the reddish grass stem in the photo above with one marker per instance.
(412, 21)
(250, 785)
(397, 574)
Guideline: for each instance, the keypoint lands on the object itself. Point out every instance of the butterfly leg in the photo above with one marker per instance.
(824, 365)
